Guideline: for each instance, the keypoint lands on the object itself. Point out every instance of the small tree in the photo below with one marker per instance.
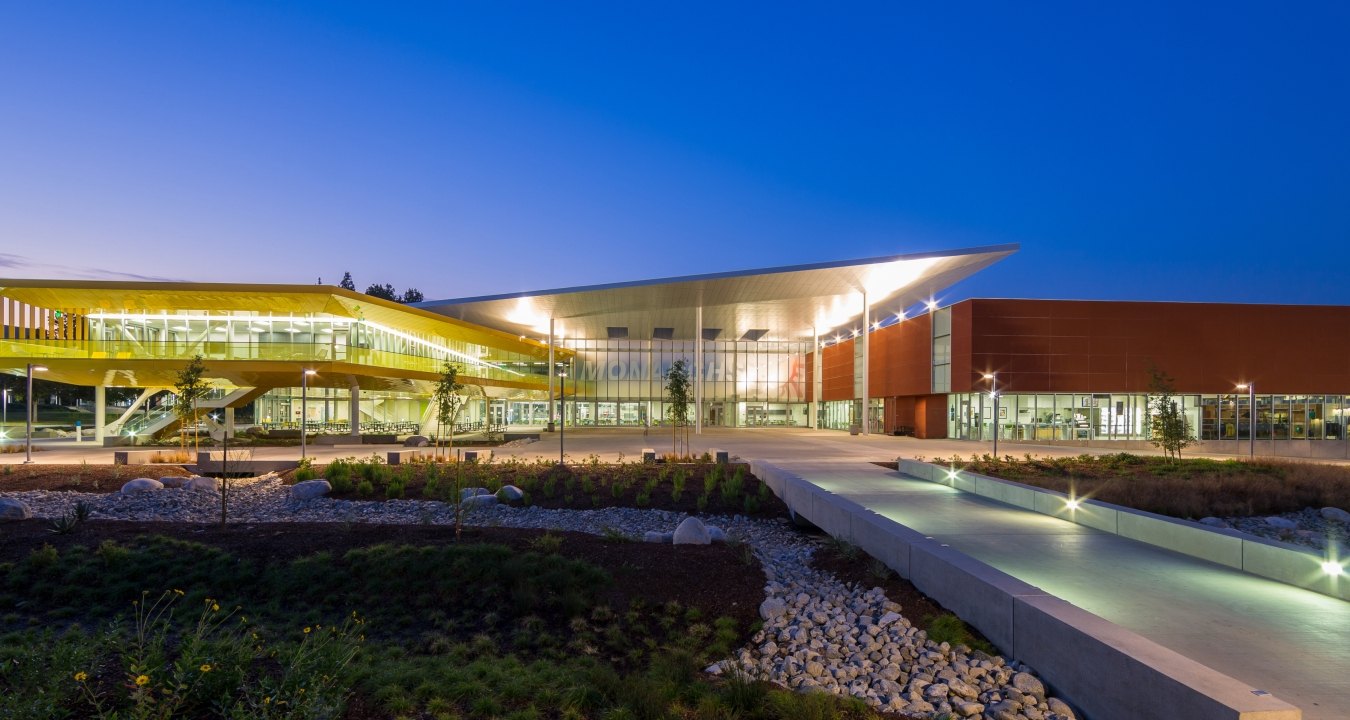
(447, 402)
(190, 387)
(1168, 429)
(677, 401)
(347, 282)
(411, 295)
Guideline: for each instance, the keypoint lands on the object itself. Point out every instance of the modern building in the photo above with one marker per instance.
(825, 345)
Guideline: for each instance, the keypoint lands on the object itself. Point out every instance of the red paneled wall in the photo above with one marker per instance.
(901, 361)
(1082, 346)
(836, 372)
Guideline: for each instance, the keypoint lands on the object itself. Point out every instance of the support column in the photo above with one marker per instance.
(354, 410)
(551, 369)
(698, 371)
(866, 352)
(100, 413)
(813, 410)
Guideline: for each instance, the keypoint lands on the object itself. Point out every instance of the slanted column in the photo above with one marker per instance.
(698, 371)
(229, 422)
(866, 358)
(551, 370)
(100, 412)
(354, 410)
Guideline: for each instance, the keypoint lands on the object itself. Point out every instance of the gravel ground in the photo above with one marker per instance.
(1310, 527)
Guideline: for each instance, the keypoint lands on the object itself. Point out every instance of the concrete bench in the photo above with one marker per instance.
(721, 457)
(135, 457)
(403, 457)
(648, 456)
(471, 455)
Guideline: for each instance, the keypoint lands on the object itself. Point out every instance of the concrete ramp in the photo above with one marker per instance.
(924, 532)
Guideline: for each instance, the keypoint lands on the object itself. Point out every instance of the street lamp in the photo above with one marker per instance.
(1251, 417)
(28, 406)
(304, 397)
(562, 421)
(993, 393)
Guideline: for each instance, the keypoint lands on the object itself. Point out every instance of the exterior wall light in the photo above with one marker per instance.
(1071, 504)
(1333, 568)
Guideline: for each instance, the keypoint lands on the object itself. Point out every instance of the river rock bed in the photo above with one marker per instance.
(818, 635)
(1310, 527)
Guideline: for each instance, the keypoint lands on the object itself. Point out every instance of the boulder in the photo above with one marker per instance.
(772, 608)
(474, 501)
(716, 534)
(1214, 522)
(968, 709)
(175, 481)
(469, 492)
(1336, 514)
(510, 493)
(310, 489)
(202, 484)
(1060, 708)
(653, 536)
(140, 485)
(416, 441)
(11, 509)
(691, 532)
(1280, 523)
(1028, 684)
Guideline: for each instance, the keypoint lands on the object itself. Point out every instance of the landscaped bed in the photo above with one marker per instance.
(727, 489)
(80, 478)
(298, 620)
(1188, 488)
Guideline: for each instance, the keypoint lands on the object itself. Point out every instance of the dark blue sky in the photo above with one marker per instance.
(1142, 150)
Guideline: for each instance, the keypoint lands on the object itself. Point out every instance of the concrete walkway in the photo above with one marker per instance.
(1291, 642)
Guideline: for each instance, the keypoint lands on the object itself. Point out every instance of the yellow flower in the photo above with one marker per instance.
(176, 591)
(267, 700)
(215, 607)
(307, 630)
(81, 676)
(206, 667)
(142, 680)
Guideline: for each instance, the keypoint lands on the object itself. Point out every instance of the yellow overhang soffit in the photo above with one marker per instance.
(92, 296)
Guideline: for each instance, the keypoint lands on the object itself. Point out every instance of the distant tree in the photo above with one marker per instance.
(384, 292)
(189, 387)
(411, 295)
(347, 283)
(1168, 429)
(677, 402)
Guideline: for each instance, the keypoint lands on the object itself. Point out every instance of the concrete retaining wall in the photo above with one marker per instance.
(1106, 671)
(1271, 559)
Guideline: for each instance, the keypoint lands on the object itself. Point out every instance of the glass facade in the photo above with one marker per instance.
(745, 384)
(1124, 416)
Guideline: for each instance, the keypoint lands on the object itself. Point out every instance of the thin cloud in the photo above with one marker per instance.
(28, 266)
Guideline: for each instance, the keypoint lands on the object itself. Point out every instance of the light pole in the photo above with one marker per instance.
(1251, 417)
(28, 407)
(562, 421)
(993, 393)
(304, 397)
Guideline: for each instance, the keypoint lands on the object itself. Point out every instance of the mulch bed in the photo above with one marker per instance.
(714, 578)
(81, 478)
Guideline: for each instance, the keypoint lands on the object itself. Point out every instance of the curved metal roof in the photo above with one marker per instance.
(779, 303)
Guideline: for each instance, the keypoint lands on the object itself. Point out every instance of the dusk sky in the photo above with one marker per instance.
(1134, 150)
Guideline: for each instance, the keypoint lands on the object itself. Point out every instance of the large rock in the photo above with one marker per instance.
(202, 484)
(510, 493)
(1028, 684)
(173, 481)
(772, 608)
(468, 492)
(416, 441)
(1061, 708)
(692, 532)
(1214, 522)
(310, 489)
(716, 534)
(1336, 514)
(140, 485)
(11, 509)
(1280, 523)
(653, 536)
(478, 501)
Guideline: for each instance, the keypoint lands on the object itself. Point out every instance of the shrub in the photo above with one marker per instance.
(548, 543)
(677, 485)
(365, 489)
